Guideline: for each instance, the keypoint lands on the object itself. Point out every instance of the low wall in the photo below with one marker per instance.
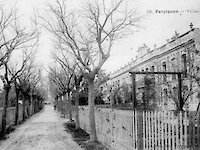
(114, 127)
(144, 130)
(11, 115)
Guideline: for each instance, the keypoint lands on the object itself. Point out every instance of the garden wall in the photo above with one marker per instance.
(114, 127)
(145, 130)
(11, 115)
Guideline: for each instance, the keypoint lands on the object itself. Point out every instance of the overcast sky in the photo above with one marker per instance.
(156, 27)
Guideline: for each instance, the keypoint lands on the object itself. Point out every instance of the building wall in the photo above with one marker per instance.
(169, 54)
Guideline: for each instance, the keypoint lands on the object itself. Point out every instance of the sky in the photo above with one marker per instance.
(156, 26)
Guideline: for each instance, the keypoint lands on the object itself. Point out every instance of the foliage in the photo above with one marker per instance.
(149, 93)
(190, 77)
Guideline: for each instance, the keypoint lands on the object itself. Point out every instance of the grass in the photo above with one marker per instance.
(82, 138)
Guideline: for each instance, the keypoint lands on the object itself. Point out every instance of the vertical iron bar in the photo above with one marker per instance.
(133, 90)
(180, 90)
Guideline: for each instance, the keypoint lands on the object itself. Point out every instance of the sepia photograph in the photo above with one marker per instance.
(99, 75)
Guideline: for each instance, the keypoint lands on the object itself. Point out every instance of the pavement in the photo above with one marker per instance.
(43, 131)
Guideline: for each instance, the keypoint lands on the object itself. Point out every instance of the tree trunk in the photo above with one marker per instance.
(4, 115)
(180, 106)
(112, 102)
(24, 108)
(116, 99)
(69, 107)
(91, 97)
(198, 106)
(29, 107)
(17, 105)
(64, 105)
(77, 109)
(36, 105)
(31, 103)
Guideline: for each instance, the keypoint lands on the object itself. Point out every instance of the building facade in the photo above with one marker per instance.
(179, 54)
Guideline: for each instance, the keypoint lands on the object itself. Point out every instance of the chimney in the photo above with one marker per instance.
(167, 40)
(191, 26)
(155, 46)
(176, 34)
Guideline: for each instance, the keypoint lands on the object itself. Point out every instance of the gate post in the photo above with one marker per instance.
(181, 103)
(133, 89)
(139, 130)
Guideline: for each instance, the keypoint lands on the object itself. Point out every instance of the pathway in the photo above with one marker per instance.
(43, 131)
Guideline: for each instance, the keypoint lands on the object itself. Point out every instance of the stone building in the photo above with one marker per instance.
(180, 53)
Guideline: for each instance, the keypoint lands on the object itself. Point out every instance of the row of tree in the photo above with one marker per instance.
(19, 74)
(69, 87)
(85, 38)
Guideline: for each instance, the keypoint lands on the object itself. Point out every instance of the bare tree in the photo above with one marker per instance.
(63, 80)
(26, 61)
(8, 79)
(74, 69)
(90, 37)
(12, 37)
(5, 23)
(191, 68)
(28, 81)
(190, 78)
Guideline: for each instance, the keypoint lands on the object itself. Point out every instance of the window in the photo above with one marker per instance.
(164, 66)
(184, 65)
(153, 75)
(173, 76)
(173, 63)
(165, 96)
(152, 68)
(175, 93)
(185, 88)
(101, 88)
(173, 68)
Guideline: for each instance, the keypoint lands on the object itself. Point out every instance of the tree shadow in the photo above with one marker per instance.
(82, 138)
(8, 131)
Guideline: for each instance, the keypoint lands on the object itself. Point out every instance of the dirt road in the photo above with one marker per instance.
(44, 131)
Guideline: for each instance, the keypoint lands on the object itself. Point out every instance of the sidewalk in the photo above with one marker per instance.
(43, 131)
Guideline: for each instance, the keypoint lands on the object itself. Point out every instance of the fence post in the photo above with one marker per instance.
(144, 129)
(185, 129)
(133, 90)
(152, 128)
(181, 129)
(181, 103)
(173, 130)
(140, 131)
(198, 125)
(149, 126)
(159, 129)
(156, 128)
